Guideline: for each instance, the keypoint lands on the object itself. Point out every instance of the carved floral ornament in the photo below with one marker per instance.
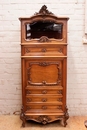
(43, 119)
(44, 39)
(44, 11)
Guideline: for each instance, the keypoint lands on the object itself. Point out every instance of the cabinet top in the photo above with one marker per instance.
(44, 26)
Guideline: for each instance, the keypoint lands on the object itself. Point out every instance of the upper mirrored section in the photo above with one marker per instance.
(41, 28)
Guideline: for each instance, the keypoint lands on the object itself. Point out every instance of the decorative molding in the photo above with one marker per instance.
(22, 117)
(43, 119)
(27, 50)
(43, 50)
(59, 117)
(60, 91)
(66, 116)
(59, 99)
(44, 39)
(28, 107)
(59, 107)
(44, 11)
(29, 100)
(29, 117)
(44, 99)
(44, 107)
(28, 92)
(44, 64)
(44, 91)
(44, 83)
(60, 50)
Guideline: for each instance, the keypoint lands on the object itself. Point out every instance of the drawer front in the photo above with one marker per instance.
(44, 108)
(43, 98)
(44, 90)
(49, 51)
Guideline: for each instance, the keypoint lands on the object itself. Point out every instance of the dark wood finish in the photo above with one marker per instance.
(44, 70)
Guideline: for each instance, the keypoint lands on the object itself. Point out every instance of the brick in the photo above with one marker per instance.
(4, 2)
(10, 52)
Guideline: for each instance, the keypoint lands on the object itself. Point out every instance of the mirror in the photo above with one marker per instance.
(44, 28)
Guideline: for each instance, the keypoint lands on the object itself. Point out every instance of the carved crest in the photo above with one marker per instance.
(44, 11)
(44, 39)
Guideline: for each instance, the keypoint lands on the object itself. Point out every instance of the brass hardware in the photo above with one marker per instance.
(43, 50)
(60, 50)
(28, 107)
(59, 107)
(44, 91)
(44, 107)
(29, 99)
(28, 92)
(59, 99)
(27, 50)
(44, 100)
(59, 91)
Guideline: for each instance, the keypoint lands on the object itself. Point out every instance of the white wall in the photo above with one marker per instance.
(10, 65)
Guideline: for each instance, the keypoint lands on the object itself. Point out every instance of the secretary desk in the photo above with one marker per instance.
(44, 67)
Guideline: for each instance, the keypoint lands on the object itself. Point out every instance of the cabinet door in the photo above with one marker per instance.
(44, 73)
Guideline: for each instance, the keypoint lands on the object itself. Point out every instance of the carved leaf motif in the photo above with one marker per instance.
(44, 11)
(59, 107)
(44, 64)
(43, 50)
(43, 119)
(60, 50)
(44, 39)
(22, 116)
(66, 116)
(27, 50)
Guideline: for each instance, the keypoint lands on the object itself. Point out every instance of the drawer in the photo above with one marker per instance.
(44, 98)
(44, 50)
(44, 107)
(44, 90)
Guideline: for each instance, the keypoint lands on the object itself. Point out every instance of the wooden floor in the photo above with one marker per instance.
(14, 123)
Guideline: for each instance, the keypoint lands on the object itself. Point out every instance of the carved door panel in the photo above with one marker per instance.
(44, 73)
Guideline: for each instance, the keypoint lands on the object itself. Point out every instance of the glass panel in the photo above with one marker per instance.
(40, 28)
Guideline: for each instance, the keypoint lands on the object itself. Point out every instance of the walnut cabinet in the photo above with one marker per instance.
(44, 67)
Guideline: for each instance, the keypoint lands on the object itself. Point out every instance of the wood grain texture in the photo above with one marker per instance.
(44, 73)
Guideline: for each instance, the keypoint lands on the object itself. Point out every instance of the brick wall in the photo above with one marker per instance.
(10, 71)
